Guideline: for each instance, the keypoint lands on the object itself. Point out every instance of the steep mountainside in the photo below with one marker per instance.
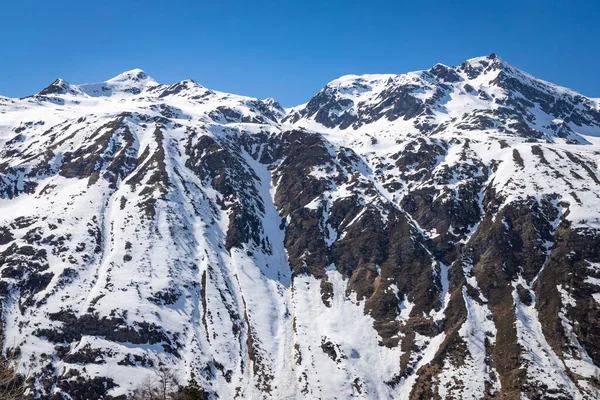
(428, 235)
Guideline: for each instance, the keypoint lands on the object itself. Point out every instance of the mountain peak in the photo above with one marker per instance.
(134, 82)
(444, 73)
(59, 86)
(491, 59)
(135, 75)
(473, 67)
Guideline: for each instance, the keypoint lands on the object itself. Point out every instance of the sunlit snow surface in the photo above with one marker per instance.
(181, 247)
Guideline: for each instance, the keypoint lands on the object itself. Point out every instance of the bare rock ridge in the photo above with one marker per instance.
(434, 234)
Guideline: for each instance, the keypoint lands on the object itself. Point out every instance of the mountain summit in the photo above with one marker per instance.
(433, 234)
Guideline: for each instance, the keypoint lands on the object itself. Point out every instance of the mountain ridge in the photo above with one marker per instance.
(430, 234)
(492, 56)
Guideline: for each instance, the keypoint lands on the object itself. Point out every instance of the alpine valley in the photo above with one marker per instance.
(434, 234)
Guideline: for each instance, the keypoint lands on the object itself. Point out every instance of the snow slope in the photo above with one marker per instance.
(398, 236)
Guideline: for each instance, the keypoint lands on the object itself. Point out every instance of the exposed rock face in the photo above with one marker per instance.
(428, 235)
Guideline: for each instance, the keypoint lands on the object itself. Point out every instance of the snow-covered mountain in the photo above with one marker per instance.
(434, 234)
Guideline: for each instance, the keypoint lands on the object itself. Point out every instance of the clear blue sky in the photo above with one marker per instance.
(289, 49)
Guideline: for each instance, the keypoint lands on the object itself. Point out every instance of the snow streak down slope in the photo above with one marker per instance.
(396, 237)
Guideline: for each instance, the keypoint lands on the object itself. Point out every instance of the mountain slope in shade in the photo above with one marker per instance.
(431, 234)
